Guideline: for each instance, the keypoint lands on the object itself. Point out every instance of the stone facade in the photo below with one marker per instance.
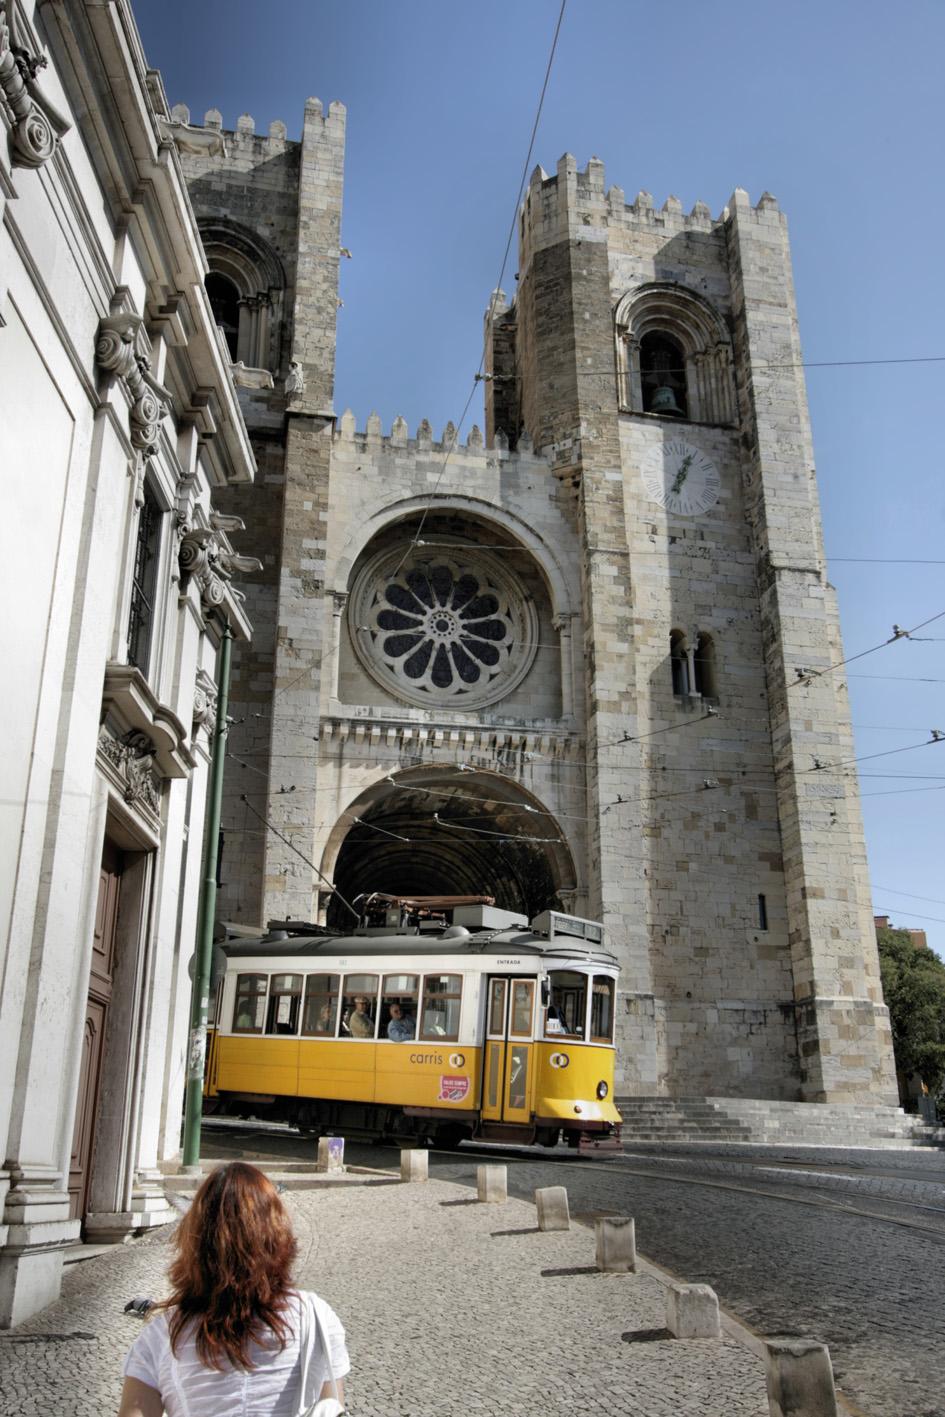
(642, 724)
(119, 425)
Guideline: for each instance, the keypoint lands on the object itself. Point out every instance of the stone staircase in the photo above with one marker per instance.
(754, 1120)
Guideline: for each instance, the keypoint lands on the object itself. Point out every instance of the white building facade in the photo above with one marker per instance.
(119, 423)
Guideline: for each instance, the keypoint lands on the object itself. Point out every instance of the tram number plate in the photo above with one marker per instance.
(453, 1089)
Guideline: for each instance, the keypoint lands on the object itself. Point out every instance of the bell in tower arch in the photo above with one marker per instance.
(664, 401)
(663, 375)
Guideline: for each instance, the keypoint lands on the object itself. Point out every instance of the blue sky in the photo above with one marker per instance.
(834, 107)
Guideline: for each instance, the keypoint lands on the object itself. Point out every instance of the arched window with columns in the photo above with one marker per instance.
(246, 287)
(674, 355)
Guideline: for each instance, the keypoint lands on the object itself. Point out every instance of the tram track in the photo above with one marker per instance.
(621, 1164)
(766, 1189)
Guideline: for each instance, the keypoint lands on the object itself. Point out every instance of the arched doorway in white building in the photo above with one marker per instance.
(449, 830)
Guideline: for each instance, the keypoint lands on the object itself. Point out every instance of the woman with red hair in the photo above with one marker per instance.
(235, 1336)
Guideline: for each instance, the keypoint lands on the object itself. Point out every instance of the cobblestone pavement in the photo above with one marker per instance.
(862, 1271)
(452, 1308)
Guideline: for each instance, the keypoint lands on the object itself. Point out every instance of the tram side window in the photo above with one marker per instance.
(602, 1009)
(285, 995)
(566, 1011)
(359, 1006)
(439, 1018)
(320, 1011)
(399, 1007)
(249, 1010)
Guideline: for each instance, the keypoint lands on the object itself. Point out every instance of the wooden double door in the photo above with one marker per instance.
(101, 978)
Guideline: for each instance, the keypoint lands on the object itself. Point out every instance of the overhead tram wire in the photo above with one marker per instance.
(789, 364)
(477, 377)
(807, 676)
(292, 847)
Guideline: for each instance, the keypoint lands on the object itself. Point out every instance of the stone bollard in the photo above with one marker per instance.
(331, 1154)
(552, 1203)
(800, 1379)
(414, 1165)
(492, 1184)
(616, 1244)
(692, 1311)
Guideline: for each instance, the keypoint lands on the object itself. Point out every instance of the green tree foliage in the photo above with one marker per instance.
(914, 987)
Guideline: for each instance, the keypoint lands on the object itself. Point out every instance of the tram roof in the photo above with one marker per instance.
(411, 943)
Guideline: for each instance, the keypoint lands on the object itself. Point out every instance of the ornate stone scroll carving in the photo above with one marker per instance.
(206, 556)
(205, 703)
(132, 756)
(37, 126)
(122, 349)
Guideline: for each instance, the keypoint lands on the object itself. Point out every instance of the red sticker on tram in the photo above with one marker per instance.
(453, 1089)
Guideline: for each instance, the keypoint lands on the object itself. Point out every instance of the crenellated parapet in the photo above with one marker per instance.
(576, 202)
(212, 140)
(424, 444)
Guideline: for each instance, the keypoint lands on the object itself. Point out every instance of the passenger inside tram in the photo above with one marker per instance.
(401, 1027)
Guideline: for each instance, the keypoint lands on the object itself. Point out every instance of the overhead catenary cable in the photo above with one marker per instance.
(806, 676)
(292, 847)
(495, 292)
(929, 899)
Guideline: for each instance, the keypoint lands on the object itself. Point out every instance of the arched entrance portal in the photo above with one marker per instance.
(436, 831)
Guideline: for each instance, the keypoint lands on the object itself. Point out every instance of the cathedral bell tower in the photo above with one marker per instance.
(653, 357)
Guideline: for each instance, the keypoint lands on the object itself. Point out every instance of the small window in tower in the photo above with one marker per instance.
(225, 304)
(762, 913)
(679, 662)
(704, 663)
(663, 375)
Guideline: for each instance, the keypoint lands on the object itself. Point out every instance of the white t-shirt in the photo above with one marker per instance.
(270, 1389)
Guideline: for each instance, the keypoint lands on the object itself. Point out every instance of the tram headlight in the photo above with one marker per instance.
(602, 1090)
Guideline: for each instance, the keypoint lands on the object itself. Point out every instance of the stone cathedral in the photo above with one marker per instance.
(581, 658)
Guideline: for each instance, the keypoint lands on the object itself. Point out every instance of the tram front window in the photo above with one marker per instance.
(602, 1009)
(285, 995)
(568, 1006)
(359, 1006)
(320, 1011)
(439, 1019)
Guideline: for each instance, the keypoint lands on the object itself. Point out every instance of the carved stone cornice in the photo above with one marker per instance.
(207, 558)
(37, 126)
(122, 348)
(130, 703)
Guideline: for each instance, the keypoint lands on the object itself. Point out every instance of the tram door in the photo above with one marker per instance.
(507, 1070)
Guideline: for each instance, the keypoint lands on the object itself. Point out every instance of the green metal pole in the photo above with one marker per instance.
(203, 955)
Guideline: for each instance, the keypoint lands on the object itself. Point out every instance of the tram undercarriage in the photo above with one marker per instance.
(363, 1121)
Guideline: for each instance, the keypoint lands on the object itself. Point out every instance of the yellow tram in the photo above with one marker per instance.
(440, 1018)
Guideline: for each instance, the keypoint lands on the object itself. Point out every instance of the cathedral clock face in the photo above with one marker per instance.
(681, 479)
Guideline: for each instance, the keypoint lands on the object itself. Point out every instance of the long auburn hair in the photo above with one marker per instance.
(231, 1275)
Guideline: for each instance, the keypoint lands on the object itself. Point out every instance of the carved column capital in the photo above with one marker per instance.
(37, 126)
(122, 349)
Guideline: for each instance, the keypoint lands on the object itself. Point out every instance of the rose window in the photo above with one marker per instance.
(443, 629)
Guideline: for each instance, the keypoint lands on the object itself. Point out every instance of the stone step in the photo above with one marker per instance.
(771, 1122)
